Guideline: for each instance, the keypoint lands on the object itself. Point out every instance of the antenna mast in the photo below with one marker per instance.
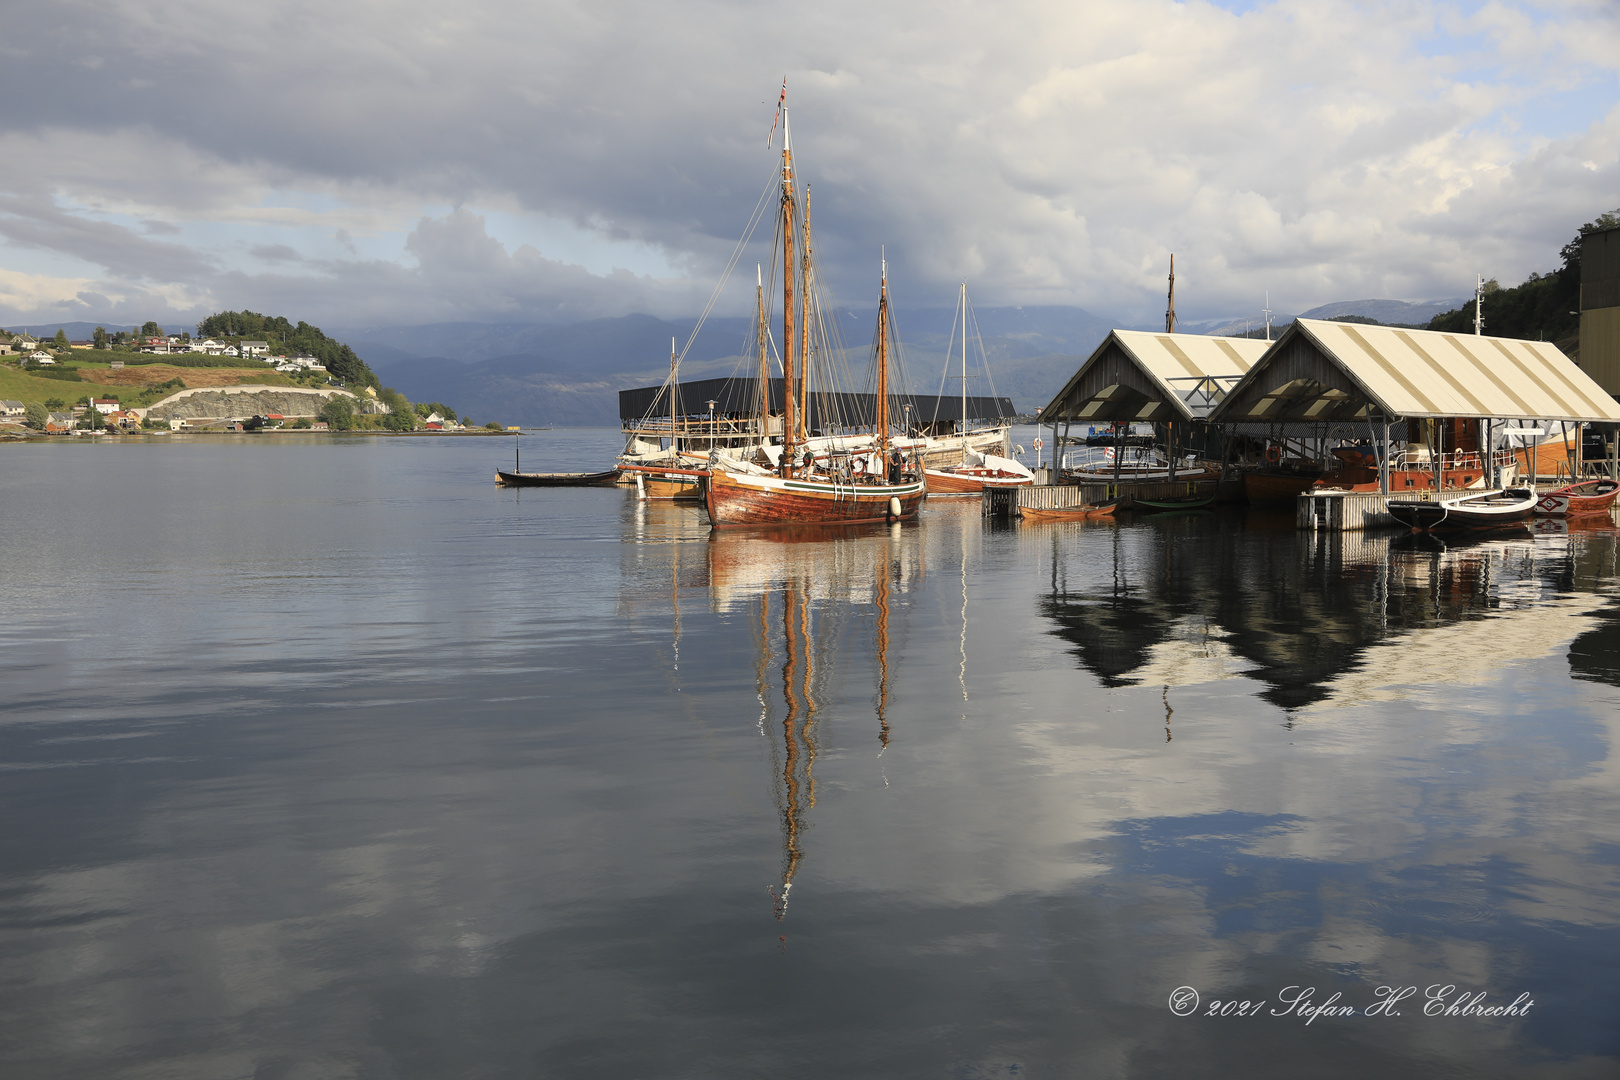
(1479, 305)
(1268, 314)
(1170, 311)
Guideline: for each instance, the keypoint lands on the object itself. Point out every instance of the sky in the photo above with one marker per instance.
(356, 163)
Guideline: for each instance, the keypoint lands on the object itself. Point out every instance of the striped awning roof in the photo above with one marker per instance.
(1421, 373)
(1190, 370)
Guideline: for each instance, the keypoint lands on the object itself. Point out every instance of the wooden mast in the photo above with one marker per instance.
(961, 428)
(804, 323)
(883, 363)
(764, 357)
(1170, 311)
(790, 418)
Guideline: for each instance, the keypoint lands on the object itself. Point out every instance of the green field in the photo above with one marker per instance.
(26, 386)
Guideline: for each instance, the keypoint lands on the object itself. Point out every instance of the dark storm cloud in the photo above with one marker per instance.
(1049, 152)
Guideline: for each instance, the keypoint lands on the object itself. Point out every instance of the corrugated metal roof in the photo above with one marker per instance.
(1426, 373)
(1190, 369)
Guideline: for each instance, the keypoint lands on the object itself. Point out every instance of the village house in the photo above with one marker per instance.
(58, 422)
(42, 357)
(254, 348)
(106, 406)
(12, 408)
(81, 344)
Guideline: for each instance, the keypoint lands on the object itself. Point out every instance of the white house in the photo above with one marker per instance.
(12, 408)
(106, 405)
(254, 348)
(42, 357)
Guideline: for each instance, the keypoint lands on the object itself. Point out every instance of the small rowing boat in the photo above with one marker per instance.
(557, 479)
(1490, 510)
(1069, 513)
(1587, 498)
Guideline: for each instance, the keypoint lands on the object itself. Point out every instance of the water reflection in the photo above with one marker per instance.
(1317, 617)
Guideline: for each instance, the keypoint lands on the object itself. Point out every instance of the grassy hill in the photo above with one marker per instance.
(134, 386)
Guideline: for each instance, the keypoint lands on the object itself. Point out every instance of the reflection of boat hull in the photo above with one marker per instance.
(1281, 485)
(1591, 498)
(573, 479)
(1069, 513)
(1509, 508)
(743, 499)
(965, 481)
(1189, 502)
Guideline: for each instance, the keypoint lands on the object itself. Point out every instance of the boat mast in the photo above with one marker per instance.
(883, 361)
(962, 427)
(790, 417)
(1170, 311)
(674, 399)
(804, 328)
(764, 358)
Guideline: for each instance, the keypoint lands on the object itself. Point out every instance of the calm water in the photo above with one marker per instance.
(331, 759)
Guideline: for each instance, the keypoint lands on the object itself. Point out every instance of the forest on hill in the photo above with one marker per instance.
(1545, 307)
(336, 356)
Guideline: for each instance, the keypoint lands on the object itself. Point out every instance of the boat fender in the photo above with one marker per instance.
(1273, 454)
(894, 506)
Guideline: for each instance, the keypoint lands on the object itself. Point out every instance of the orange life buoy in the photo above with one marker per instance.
(1273, 454)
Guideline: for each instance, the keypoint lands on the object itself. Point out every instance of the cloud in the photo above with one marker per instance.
(1052, 153)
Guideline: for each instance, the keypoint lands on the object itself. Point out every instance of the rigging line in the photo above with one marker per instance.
(945, 372)
(731, 264)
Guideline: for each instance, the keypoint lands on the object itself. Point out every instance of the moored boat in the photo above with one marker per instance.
(977, 473)
(1069, 513)
(1589, 498)
(1282, 484)
(557, 479)
(1492, 509)
(875, 482)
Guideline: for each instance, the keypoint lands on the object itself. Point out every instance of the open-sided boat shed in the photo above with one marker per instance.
(1321, 372)
(1144, 377)
(1139, 376)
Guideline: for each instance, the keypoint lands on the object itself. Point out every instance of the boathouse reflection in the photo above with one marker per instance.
(1201, 597)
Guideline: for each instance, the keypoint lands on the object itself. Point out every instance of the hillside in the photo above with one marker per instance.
(1544, 307)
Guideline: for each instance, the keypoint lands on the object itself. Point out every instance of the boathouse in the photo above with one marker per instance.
(1327, 378)
(1138, 376)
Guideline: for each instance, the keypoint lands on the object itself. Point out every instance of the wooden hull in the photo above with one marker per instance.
(1594, 498)
(1068, 513)
(530, 479)
(1264, 487)
(1510, 508)
(740, 499)
(1364, 479)
(972, 481)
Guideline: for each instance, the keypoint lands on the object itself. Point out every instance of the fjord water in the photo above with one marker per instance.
(329, 758)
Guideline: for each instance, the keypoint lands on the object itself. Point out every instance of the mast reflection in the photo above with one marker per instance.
(805, 588)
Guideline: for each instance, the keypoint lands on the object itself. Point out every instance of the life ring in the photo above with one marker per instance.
(1274, 454)
(860, 466)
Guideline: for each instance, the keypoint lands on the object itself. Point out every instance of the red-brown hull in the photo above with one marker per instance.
(1363, 479)
(1570, 502)
(943, 482)
(745, 500)
(1068, 513)
(1263, 487)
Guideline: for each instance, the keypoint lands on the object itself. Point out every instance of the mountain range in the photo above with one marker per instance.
(539, 374)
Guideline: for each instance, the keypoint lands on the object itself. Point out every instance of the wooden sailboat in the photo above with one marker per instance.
(975, 471)
(1490, 510)
(801, 490)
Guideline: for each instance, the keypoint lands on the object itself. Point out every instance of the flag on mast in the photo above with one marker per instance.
(777, 119)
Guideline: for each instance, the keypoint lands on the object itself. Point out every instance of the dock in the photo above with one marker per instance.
(1007, 502)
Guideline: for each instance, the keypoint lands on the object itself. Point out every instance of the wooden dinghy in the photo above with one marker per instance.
(1589, 498)
(990, 471)
(1491, 510)
(557, 479)
(1069, 513)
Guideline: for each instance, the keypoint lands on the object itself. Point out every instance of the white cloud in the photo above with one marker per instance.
(1050, 152)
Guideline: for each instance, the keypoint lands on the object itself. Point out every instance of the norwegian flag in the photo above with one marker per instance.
(770, 140)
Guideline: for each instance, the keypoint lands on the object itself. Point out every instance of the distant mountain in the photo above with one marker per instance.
(571, 374)
(1389, 312)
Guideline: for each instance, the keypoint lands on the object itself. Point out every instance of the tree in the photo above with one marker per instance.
(98, 340)
(36, 415)
(55, 404)
(61, 340)
(93, 419)
(338, 413)
(150, 329)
